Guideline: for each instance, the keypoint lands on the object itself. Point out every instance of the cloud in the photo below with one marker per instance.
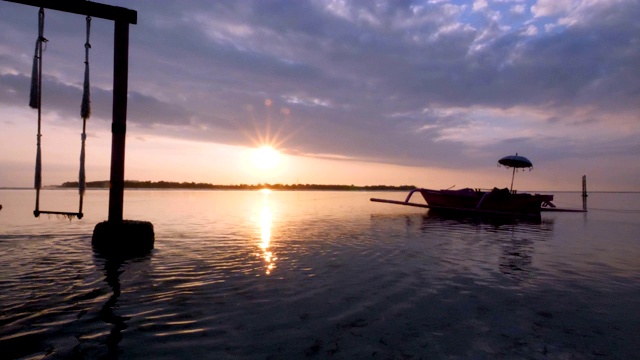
(400, 82)
(63, 100)
(480, 5)
(555, 8)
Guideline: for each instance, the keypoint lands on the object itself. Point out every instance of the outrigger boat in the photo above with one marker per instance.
(495, 201)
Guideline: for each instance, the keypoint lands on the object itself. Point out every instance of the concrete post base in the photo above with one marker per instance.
(129, 238)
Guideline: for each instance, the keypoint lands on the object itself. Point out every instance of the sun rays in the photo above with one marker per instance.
(268, 135)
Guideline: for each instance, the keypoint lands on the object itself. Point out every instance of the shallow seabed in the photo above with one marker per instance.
(289, 275)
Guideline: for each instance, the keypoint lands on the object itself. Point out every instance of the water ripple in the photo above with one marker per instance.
(320, 278)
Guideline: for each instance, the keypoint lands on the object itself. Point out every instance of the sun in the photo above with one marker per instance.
(265, 157)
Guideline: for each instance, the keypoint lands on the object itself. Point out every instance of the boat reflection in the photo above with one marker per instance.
(482, 218)
(516, 237)
(266, 220)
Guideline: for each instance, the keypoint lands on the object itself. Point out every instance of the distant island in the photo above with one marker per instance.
(133, 184)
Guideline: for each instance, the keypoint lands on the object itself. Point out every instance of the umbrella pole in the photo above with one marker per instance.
(512, 176)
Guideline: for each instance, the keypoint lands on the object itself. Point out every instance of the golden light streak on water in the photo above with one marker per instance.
(266, 220)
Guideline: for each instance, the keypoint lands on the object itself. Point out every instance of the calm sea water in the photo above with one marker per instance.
(290, 275)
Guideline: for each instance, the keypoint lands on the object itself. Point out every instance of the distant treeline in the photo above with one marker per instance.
(133, 184)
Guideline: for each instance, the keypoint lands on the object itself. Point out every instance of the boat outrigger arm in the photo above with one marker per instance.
(405, 202)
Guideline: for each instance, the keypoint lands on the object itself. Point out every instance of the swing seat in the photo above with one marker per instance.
(70, 215)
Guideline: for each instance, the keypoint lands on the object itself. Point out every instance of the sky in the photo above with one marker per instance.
(427, 93)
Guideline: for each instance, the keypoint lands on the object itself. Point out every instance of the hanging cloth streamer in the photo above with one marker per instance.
(85, 113)
(36, 71)
(85, 108)
(35, 100)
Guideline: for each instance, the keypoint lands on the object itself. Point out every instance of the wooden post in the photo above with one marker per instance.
(584, 192)
(119, 124)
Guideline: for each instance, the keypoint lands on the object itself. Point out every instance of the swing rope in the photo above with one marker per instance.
(36, 103)
(35, 100)
(85, 113)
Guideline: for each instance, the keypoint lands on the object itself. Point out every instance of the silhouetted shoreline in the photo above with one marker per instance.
(133, 184)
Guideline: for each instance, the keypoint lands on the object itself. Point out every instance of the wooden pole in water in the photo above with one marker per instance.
(119, 124)
(584, 192)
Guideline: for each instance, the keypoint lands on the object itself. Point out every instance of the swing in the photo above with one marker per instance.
(35, 102)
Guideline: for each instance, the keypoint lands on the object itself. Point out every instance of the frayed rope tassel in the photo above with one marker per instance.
(36, 70)
(34, 93)
(85, 112)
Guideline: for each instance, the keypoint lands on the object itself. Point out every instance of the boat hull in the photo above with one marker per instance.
(498, 201)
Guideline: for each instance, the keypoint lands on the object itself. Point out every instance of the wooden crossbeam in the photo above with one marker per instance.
(83, 7)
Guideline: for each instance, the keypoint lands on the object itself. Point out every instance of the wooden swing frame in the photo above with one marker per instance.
(121, 17)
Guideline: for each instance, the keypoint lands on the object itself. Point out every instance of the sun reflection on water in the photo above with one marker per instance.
(266, 220)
